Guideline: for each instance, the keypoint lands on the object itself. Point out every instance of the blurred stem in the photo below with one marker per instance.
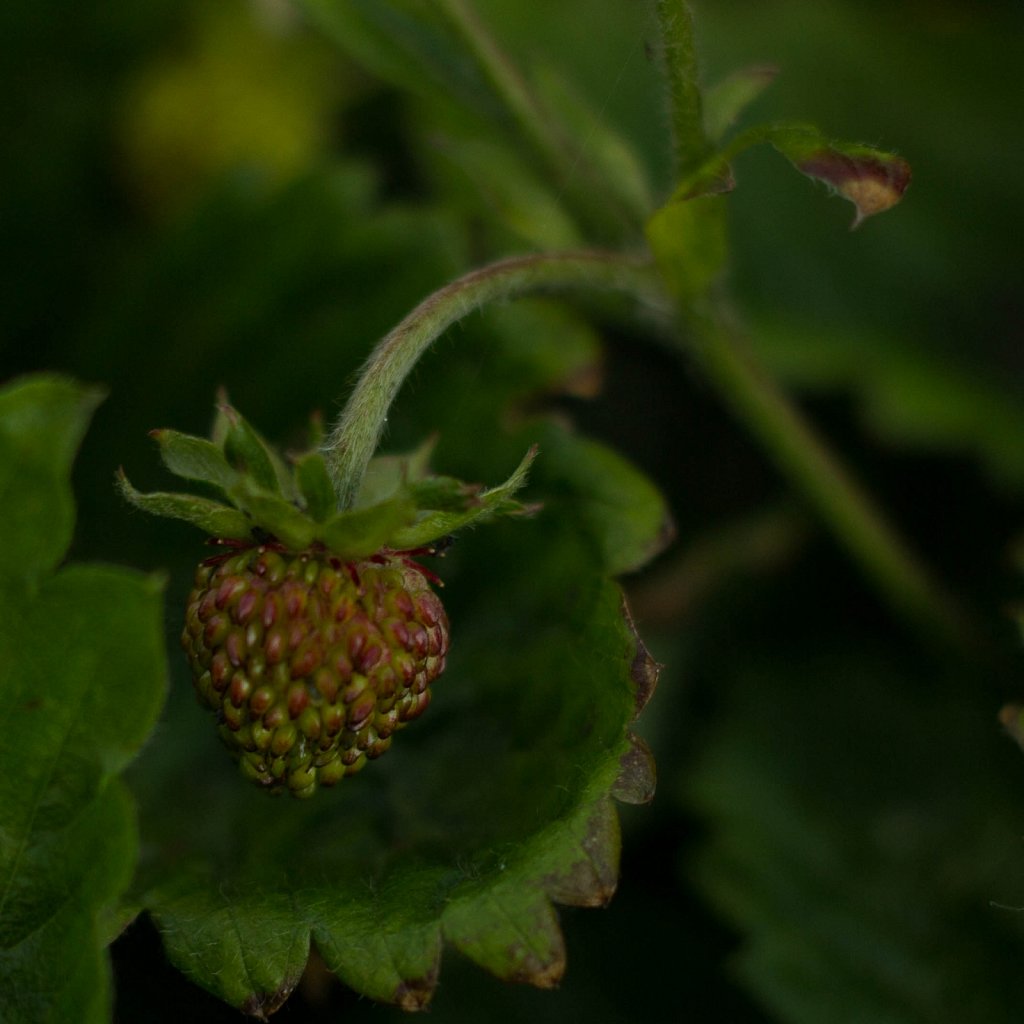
(679, 52)
(354, 439)
(848, 510)
(505, 79)
(534, 123)
(754, 397)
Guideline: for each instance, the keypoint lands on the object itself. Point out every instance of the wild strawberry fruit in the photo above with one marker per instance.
(315, 635)
(311, 664)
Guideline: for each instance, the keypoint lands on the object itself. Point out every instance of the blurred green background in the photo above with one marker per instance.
(234, 194)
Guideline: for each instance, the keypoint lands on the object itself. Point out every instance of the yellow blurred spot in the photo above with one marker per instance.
(246, 92)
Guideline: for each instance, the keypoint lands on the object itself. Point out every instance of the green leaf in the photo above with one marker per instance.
(520, 922)
(480, 817)
(42, 421)
(58, 971)
(622, 511)
(386, 945)
(82, 685)
(250, 940)
(510, 192)
(75, 717)
(725, 101)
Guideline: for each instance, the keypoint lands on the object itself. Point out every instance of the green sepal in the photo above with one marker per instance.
(216, 519)
(246, 451)
(495, 501)
(445, 494)
(315, 486)
(387, 475)
(363, 531)
(273, 513)
(195, 458)
(400, 504)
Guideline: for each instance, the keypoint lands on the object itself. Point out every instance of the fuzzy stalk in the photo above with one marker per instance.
(686, 115)
(357, 433)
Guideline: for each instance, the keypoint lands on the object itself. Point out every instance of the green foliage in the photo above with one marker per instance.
(252, 197)
(43, 424)
(82, 684)
(497, 805)
(906, 393)
(867, 896)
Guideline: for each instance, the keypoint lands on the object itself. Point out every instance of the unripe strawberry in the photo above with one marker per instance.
(311, 663)
(315, 636)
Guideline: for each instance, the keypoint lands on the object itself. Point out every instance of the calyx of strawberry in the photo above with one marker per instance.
(257, 495)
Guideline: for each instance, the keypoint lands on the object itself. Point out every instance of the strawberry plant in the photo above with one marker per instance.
(608, 369)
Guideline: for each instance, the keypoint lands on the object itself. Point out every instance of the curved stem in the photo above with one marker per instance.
(354, 439)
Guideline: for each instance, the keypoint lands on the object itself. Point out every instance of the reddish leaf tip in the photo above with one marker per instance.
(415, 993)
(643, 669)
(872, 182)
(545, 977)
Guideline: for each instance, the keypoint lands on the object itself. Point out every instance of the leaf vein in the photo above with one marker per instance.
(37, 798)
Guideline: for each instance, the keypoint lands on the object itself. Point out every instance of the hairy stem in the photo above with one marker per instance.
(354, 439)
(848, 510)
(679, 53)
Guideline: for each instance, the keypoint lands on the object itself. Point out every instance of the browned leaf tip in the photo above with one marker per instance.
(872, 183)
(638, 774)
(533, 968)
(591, 879)
(643, 669)
(262, 1005)
(545, 976)
(415, 994)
